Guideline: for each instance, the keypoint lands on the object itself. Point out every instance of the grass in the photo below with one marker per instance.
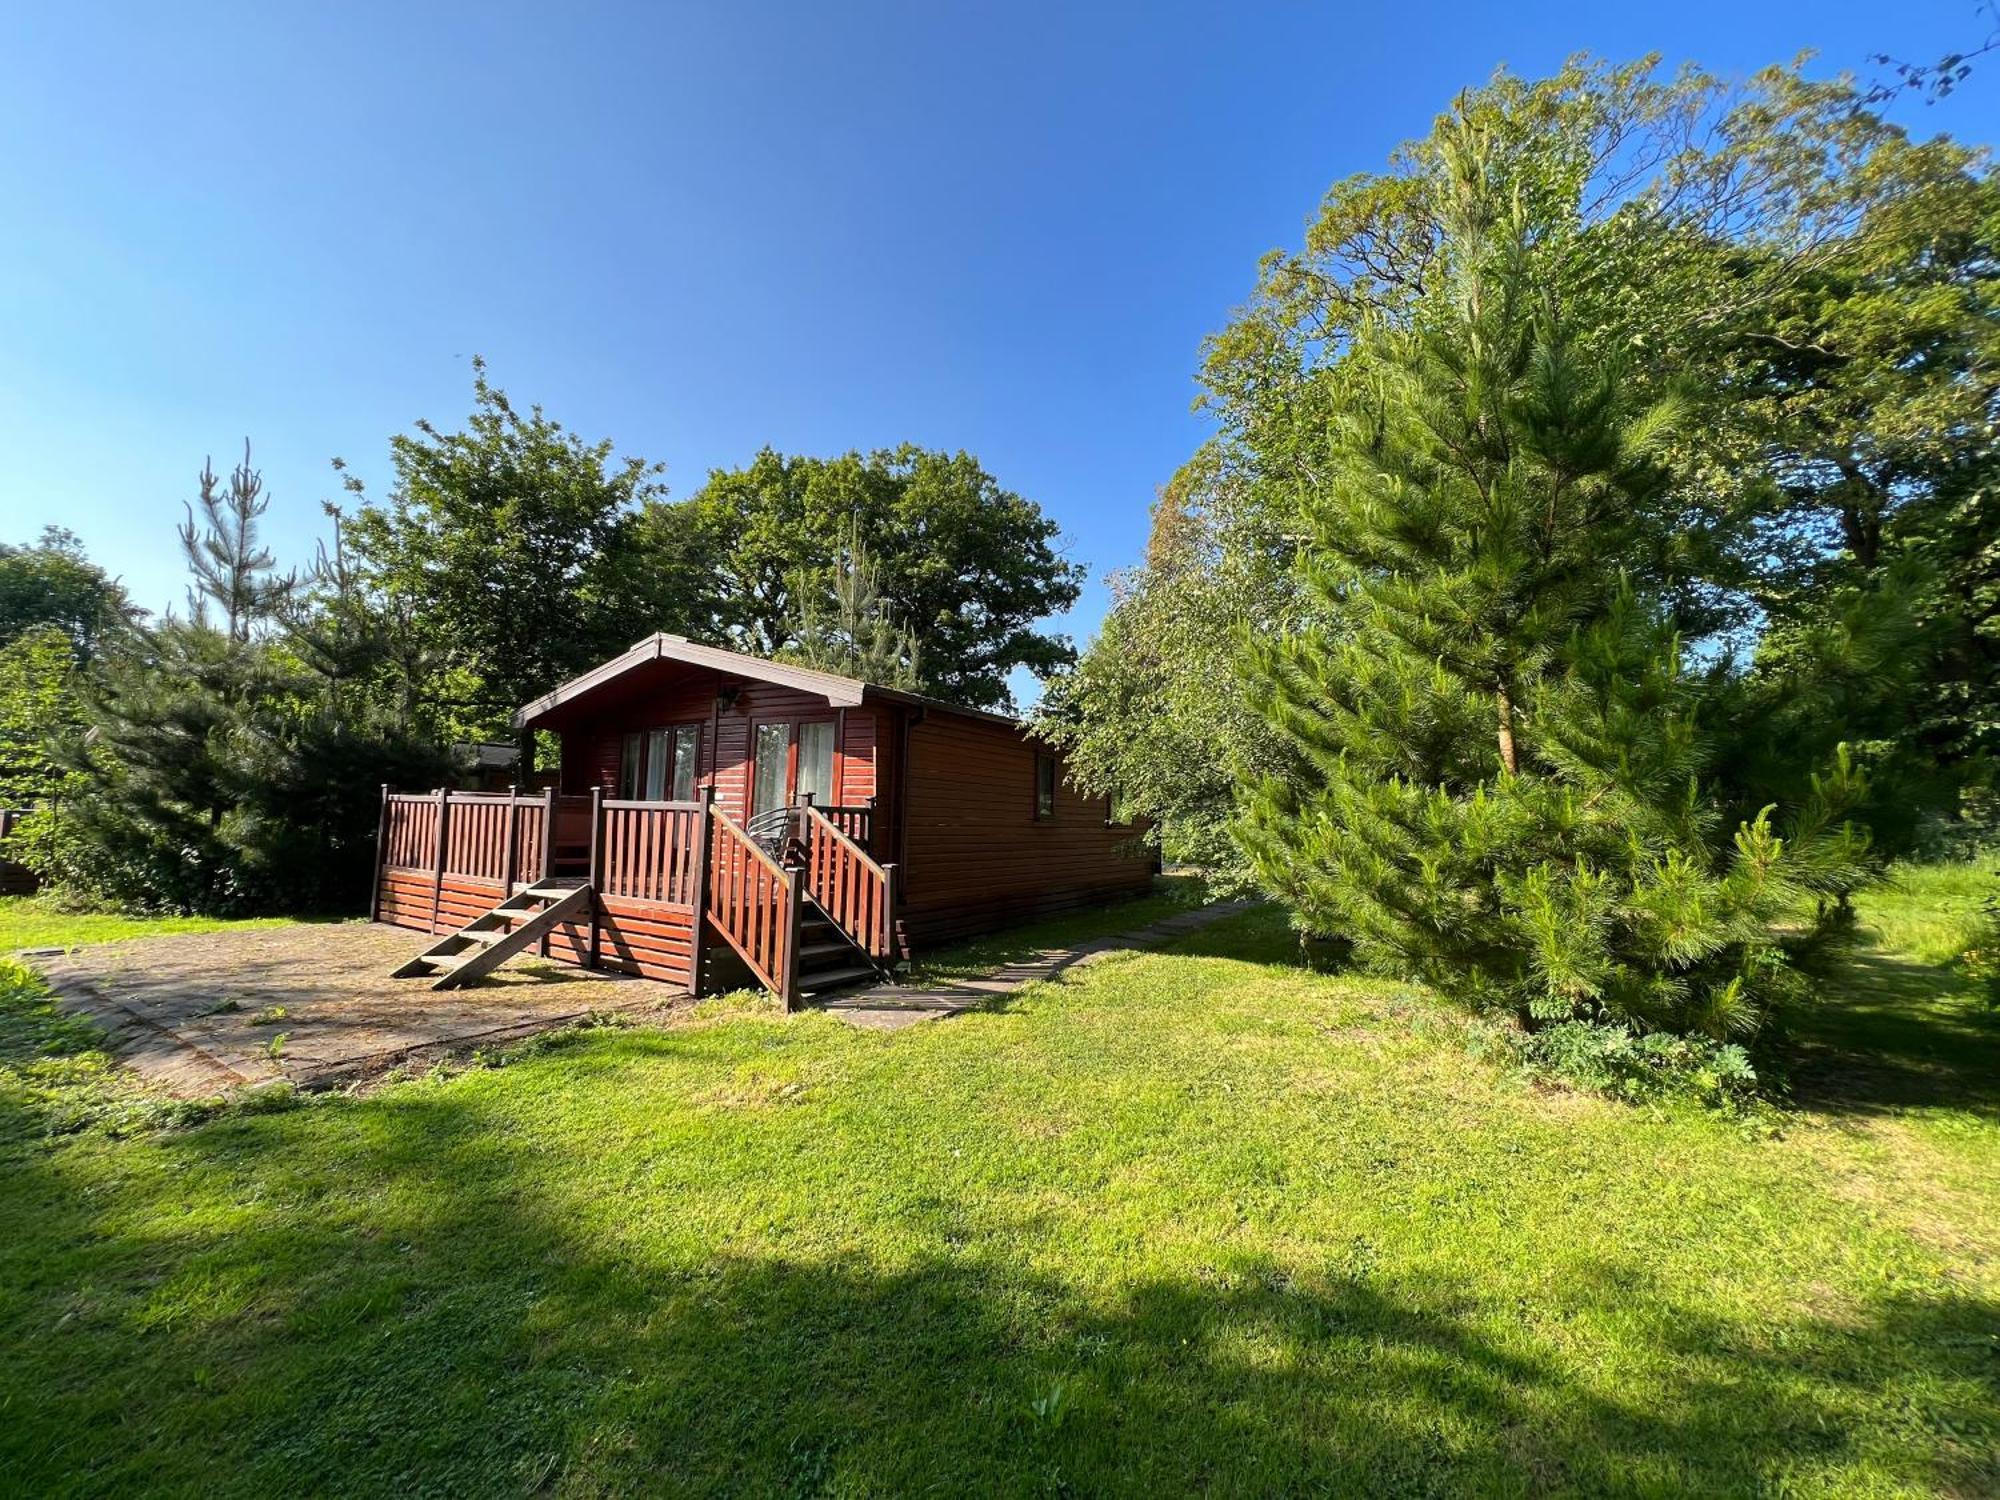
(1929, 913)
(1189, 1219)
(35, 922)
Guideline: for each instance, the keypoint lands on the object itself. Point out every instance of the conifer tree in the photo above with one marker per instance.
(1499, 777)
(856, 632)
(234, 756)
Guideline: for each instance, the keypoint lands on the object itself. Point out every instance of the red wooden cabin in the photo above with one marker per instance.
(740, 820)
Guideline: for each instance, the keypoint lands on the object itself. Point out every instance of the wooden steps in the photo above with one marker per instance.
(828, 958)
(493, 937)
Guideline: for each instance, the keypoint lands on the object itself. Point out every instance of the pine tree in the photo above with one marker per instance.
(1500, 781)
(855, 633)
(233, 757)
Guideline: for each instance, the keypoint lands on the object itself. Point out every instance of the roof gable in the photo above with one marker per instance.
(837, 690)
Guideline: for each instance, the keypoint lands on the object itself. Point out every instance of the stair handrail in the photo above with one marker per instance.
(771, 947)
(879, 941)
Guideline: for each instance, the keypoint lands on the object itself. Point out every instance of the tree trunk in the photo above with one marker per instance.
(1504, 703)
(1861, 506)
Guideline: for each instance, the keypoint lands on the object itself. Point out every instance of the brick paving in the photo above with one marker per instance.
(195, 1013)
(190, 1013)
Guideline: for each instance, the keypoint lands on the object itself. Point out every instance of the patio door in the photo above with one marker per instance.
(792, 758)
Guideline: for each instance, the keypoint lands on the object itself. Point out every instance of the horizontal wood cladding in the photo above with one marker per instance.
(975, 855)
(634, 937)
(406, 900)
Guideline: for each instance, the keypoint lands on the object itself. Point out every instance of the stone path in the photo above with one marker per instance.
(890, 1007)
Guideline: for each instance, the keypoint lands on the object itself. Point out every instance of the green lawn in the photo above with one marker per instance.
(31, 922)
(1192, 1219)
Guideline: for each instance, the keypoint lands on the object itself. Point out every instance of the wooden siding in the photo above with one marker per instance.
(634, 937)
(592, 748)
(406, 900)
(975, 856)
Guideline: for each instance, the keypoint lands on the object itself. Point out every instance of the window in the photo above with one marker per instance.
(673, 758)
(791, 761)
(767, 790)
(1045, 786)
(815, 774)
(630, 764)
(660, 764)
(687, 763)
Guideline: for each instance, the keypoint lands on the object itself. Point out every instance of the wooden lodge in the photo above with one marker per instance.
(722, 820)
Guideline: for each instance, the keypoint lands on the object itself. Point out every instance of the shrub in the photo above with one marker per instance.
(1655, 1066)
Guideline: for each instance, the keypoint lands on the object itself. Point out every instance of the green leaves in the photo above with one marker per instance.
(509, 555)
(966, 567)
(1497, 778)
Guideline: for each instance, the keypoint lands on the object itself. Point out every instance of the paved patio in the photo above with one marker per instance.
(196, 1013)
(201, 1013)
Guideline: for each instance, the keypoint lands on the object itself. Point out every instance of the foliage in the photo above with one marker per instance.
(1258, 1225)
(1499, 781)
(52, 583)
(1816, 287)
(1611, 1059)
(38, 705)
(1807, 289)
(505, 559)
(967, 567)
(1141, 719)
(230, 763)
(1982, 959)
(856, 634)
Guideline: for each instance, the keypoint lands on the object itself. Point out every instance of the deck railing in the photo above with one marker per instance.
(487, 836)
(857, 821)
(651, 851)
(753, 901)
(689, 856)
(850, 887)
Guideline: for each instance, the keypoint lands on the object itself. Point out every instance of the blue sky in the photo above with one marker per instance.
(699, 229)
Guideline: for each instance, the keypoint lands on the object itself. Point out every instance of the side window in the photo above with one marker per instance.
(630, 765)
(1045, 786)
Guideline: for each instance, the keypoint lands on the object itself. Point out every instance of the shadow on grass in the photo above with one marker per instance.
(1892, 1034)
(474, 1323)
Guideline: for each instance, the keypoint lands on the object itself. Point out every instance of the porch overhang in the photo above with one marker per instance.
(606, 679)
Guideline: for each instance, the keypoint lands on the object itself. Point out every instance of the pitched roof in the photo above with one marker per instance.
(661, 646)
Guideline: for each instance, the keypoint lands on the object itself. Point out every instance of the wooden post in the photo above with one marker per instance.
(596, 876)
(437, 878)
(513, 863)
(891, 874)
(381, 857)
(704, 835)
(548, 847)
(795, 882)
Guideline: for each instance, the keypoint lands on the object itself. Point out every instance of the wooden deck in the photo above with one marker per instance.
(679, 891)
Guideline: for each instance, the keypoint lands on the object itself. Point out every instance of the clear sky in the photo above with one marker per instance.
(699, 229)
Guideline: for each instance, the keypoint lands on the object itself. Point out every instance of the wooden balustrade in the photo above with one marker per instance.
(754, 903)
(689, 857)
(472, 835)
(857, 821)
(850, 887)
(650, 851)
